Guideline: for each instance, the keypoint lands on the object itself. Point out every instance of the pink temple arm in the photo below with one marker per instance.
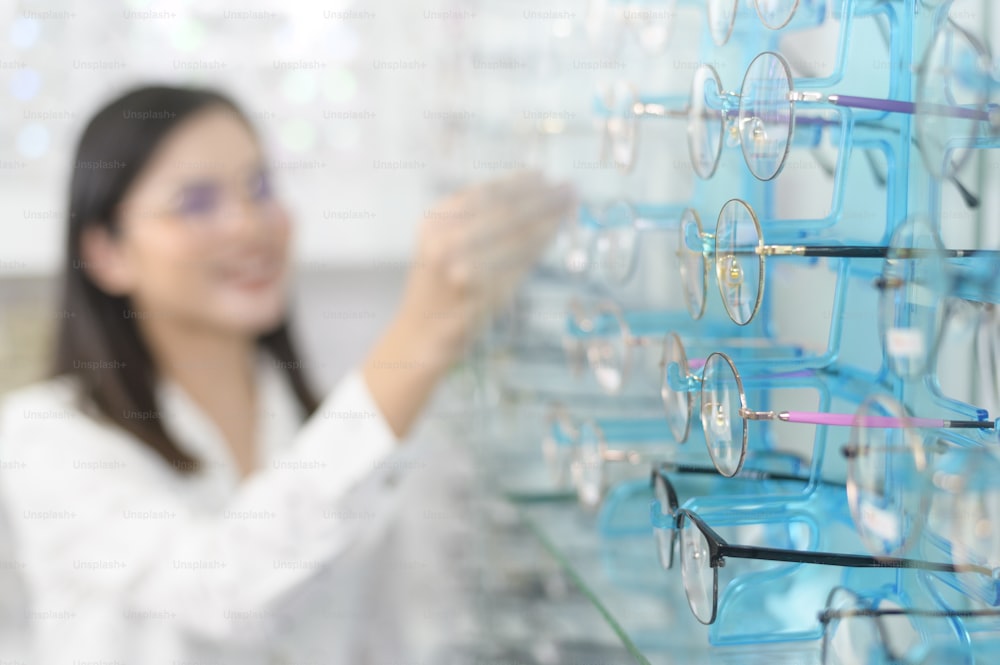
(849, 419)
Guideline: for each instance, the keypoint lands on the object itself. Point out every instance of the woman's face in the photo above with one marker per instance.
(202, 240)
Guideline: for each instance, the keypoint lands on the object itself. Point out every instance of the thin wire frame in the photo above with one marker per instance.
(675, 354)
(726, 274)
(666, 505)
(624, 151)
(707, 403)
(913, 240)
(874, 523)
(711, 407)
(613, 379)
(719, 550)
(693, 265)
(984, 60)
(770, 73)
(853, 606)
(589, 465)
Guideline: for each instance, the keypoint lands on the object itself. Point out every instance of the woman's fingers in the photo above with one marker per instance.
(477, 245)
(532, 203)
(503, 248)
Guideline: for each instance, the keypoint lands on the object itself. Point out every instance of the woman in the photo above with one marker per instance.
(165, 472)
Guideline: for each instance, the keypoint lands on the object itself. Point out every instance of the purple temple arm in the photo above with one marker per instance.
(848, 420)
(888, 422)
(910, 108)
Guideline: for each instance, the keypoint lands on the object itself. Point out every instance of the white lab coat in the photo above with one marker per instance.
(127, 561)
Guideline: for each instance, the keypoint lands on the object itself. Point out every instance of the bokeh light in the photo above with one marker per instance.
(33, 140)
(25, 84)
(24, 32)
(188, 36)
(297, 135)
(340, 85)
(299, 86)
(343, 43)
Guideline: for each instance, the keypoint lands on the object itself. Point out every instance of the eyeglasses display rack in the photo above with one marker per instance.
(744, 403)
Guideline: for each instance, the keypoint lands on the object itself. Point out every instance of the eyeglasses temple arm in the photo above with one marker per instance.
(763, 475)
(743, 474)
(829, 614)
(678, 383)
(887, 422)
(881, 179)
(874, 104)
(843, 560)
(869, 252)
(970, 199)
(659, 109)
(845, 251)
(689, 468)
(909, 108)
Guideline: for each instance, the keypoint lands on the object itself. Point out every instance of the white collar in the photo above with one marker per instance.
(279, 416)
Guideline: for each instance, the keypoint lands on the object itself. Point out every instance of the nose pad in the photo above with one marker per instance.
(732, 132)
(720, 423)
(675, 381)
(732, 272)
(756, 140)
(757, 130)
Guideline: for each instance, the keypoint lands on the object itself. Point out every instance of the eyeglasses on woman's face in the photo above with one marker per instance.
(205, 203)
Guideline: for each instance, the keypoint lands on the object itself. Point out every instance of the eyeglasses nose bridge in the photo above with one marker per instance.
(689, 382)
(707, 242)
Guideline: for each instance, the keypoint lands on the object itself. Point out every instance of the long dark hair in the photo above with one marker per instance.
(96, 342)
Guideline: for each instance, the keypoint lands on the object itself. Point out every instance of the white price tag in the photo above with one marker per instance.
(905, 343)
(882, 523)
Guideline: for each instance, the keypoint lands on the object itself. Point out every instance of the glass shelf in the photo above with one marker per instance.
(640, 605)
(644, 607)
